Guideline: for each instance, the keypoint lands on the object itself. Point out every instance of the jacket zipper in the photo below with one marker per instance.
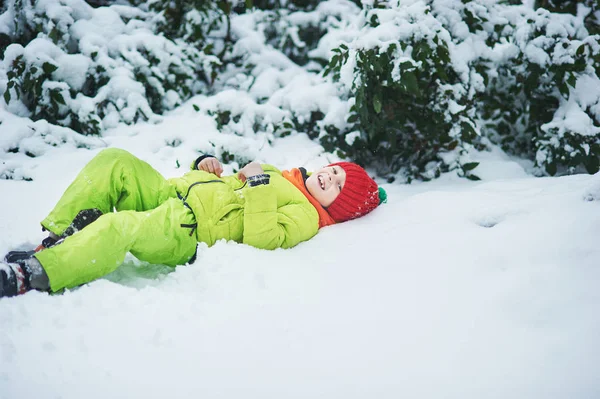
(197, 183)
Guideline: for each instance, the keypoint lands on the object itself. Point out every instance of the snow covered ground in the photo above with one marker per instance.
(453, 289)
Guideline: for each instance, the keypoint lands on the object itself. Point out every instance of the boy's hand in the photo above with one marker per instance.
(211, 165)
(252, 169)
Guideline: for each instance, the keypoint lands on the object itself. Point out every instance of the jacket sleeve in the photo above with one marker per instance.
(268, 227)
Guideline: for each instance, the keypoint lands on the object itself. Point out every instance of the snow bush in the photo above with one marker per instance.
(409, 87)
(542, 89)
(430, 80)
(262, 91)
(193, 21)
(411, 102)
(89, 69)
(296, 27)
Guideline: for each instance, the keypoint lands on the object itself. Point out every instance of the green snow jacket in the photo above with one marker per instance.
(276, 215)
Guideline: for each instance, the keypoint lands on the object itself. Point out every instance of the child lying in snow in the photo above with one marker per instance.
(161, 221)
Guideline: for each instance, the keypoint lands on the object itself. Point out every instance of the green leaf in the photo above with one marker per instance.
(49, 68)
(473, 177)
(532, 82)
(177, 164)
(551, 168)
(344, 47)
(443, 53)
(352, 118)
(377, 103)
(196, 108)
(56, 96)
(374, 20)
(334, 60)
(225, 7)
(7, 96)
(591, 163)
(580, 50)
(440, 71)
(564, 89)
(54, 35)
(249, 3)
(572, 80)
(469, 166)
(468, 132)
(410, 82)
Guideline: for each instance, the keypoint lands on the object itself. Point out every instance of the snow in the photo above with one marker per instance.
(451, 289)
(571, 117)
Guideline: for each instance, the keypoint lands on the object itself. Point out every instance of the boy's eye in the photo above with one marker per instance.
(340, 187)
(334, 171)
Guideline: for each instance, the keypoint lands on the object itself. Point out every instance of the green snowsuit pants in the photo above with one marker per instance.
(147, 224)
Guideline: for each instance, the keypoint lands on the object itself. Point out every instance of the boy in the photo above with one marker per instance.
(161, 221)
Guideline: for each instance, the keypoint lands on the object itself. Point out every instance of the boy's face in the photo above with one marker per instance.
(326, 184)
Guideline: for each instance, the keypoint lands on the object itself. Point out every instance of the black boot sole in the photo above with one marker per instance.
(15, 256)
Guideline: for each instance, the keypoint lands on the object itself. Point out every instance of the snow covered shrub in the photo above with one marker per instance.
(33, 86)
(100, 3)
(297, 32)
(293, 36)
(79, 74)
(590, 7)
(260, 91)
(542, 90)
(293, 5)
(409, 87)
(412, 104)
(190, 20)
(427, 79)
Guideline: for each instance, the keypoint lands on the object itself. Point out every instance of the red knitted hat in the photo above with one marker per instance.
(359, 196)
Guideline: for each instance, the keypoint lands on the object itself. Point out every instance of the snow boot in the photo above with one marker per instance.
(22, 276)
(14, 280)
(82, 219)
(16, 256)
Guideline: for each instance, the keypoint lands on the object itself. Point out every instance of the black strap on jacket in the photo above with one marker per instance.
(193, 226)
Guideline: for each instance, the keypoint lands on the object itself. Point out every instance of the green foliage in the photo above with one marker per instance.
(293, 5)
(163, 75)
(295, 41)
(400, 108)
(524, 93)
(190, 20)
(34, 87)
(412, 108)
(569, 151)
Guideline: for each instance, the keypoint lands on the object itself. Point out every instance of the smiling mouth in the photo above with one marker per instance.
(321, 182)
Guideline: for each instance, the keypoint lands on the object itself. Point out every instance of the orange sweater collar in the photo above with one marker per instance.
(295, 177)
